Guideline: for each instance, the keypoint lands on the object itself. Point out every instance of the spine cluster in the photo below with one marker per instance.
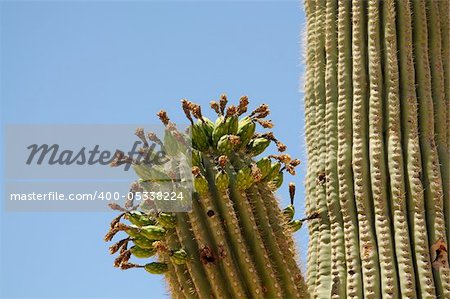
(377, 131)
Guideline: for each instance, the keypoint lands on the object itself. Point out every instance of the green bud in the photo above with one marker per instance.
(224, 145)
(167, 220)
(265, 165)
(156, 268)
(153, 232)
(244, 178)
(150, 173)
(133, 231)
(143, 242)
(257, 146)
(171, 144)
(295, 225)
(275, 169)
(142, 252)
(139, 219)
(246, 130)
(201, 134)
(196, 158)
(222, 180)
(289, 212)
(232, 123)
(278, 180)
(201, 185)
(220, 129)
(179, 257)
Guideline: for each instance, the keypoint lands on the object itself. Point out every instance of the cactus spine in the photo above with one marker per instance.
(377, 132)
(235, 242)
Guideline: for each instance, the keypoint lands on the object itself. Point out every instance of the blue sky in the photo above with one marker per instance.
(119, 63)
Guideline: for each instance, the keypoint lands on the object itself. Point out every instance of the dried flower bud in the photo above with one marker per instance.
(163, 117)
(223, 160)
(215, 106)
(223, 103)
(243, 105)
(292, 192)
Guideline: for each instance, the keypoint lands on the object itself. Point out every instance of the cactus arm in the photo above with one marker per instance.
(213, 269)
(221, 244)
(436, 25)
(430, 161)
(196, 271)
(338, 268)
(395, 157)
(278, 260)
(284, 238)
(178, 275)
(411, 147)
(344, 159)
(257, 249)
(369, 255)
(323, 281)
(388, 270)
(310, 131)
(241, 251)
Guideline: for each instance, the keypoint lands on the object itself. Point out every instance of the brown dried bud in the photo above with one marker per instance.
(231, 110)
(295, 162)
(243, 105)
(186, 108)
(163, 117)
(195, 171)
(141, 135)
(267, 124)
(116, 207)
(280, 146)
(223, 103)
(116, 220)
(235, 140)
(256, 172)
(292, 192)
(223, 160)
(215, 106)
(160, 246)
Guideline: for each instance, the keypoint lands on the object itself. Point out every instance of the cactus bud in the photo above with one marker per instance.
(179, 257)
(278, 180)
(244, 178)
(295, 225)
(257, 146)
(224, 145)
(156, 268)
(220, 129)
(142, 252)
(143, 242)
(232, 120)
(246, 130)
(274, 170)
(139, 219)
(200, 182)
(222, 180)
(153, 232)
(265, 166)
(167, 220)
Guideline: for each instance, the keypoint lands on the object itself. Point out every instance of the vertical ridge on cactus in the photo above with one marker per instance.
(377, 132)
(236, 242)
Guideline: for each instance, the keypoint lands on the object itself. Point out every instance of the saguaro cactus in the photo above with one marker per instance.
(236, 242)
(377, 130)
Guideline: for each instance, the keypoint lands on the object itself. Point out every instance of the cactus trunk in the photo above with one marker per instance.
(377, 132)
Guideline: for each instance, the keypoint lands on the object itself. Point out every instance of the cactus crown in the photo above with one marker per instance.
(228, 205)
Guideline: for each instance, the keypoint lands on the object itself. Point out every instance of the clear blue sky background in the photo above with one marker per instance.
(120, 62)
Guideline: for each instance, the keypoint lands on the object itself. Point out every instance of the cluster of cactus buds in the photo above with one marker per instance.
(147, 232)
(236, 242)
